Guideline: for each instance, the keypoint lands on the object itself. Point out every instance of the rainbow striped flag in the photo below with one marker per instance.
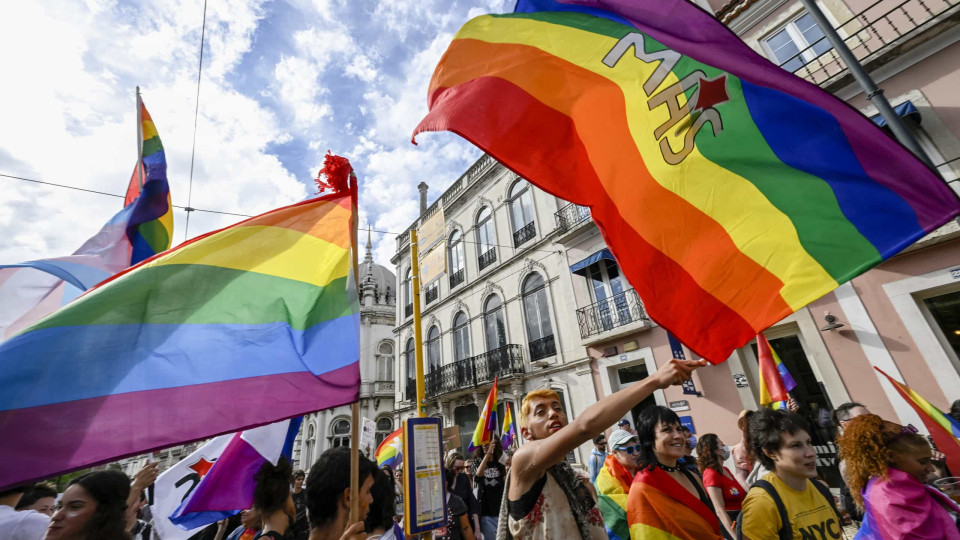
(390, 451)
(487, 424)
(613, 486)
(775, 380)
(509, 428)
(150, 226)
(944, 429)
(237, 328)
(725, 186)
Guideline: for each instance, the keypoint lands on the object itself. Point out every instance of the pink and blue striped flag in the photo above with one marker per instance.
(234, 329)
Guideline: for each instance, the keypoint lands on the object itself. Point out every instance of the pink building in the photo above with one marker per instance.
(903, 316)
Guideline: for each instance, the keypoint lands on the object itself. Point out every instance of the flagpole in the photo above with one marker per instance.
(139, 139)
(355, 407)
(870, 88)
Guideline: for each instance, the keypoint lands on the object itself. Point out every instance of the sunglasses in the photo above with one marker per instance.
(629, 449)
(460, 468)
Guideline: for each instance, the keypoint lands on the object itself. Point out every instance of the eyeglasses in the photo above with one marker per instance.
(629, 449)
(460, 468)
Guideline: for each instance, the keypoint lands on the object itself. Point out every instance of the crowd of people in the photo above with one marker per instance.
(655, 481)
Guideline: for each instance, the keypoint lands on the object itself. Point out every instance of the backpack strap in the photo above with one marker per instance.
(786, 530)
(825, 491)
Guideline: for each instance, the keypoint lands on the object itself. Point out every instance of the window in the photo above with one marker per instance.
(608, 290)
(461, 337)
(791, 45)
(340, 433)
(945, 310)
(385, 361)
(432, 292)
(433, 349)
(493, 326)
(310, 444)
(384, 428)
(521, 212)
(486, 238)
(410, 359)
(408, 293)
(456, 259)
(537, 317)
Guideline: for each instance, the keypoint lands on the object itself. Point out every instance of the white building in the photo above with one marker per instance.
(330, 428)
(503, 308)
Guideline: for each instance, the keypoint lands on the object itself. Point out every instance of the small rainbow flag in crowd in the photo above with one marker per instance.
(487, 424)
(150, 229)
(775, 380)
(944, 429)
(390, 451)
(266, 307)
(731, 192)
(509, 428)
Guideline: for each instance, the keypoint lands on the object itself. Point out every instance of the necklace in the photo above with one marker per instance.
(668, 468)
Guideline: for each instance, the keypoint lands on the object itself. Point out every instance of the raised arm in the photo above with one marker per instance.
(533, 458)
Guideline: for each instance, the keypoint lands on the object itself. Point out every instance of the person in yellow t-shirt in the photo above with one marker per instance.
(780, 439)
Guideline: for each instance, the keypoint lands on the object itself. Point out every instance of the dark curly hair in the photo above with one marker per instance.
(867, 446)
(647, 432)
(36, 492)
(707, 448)
(383, 508)
(110, 490)
(273, 486)
(327, 480)
(766, 430)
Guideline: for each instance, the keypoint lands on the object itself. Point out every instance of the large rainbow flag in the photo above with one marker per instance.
(487, 424)
(237, 328)
(775, 380)
(731, 192)
(944, 429)
(150, 228)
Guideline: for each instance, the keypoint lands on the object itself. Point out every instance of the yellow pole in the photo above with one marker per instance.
(417, 328)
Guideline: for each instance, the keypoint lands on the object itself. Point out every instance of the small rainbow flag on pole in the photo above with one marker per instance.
(237, 328)
(775, 380)
(944, 429)
(509, 428)
(718, 179)
(150, 229)
(487, 424)
(390, 451)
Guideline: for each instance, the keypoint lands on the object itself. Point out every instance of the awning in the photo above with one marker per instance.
(904, 110)
(581, 267)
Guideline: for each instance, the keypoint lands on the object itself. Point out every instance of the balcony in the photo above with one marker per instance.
(613, 312)
(432, 294)
(527, 232)
(408, 310)
(542, 348)
(570, 216)
(475, 371)
(383, 387)
(881, 32)
(456, 278)
(487, 258)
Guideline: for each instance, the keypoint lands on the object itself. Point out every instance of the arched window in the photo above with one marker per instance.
(457, 259)
(340, 433)
(410, 359)
(536, 314)
(385, 361)
(384, 428)
(486, 238)
(521, 212)
(494, 328)
(408, 293)
(433, 348)
(310, 445)
(461, 337)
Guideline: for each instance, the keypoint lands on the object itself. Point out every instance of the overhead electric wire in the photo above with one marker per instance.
(196, 114)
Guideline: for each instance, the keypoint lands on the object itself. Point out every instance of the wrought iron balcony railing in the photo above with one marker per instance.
(456, 278)
(408, 310)
(487, 258)
(570, 216)
(474, 371)
(432, 293)
(527, 232)
(607, 314)
(542, 348)
(882, 27)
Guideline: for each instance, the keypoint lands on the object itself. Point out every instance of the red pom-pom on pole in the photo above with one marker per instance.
(337, 171)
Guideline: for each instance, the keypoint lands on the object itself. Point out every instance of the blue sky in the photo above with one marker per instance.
(283, 82)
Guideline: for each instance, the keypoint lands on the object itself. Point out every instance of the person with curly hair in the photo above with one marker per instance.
(787, 502)
(725, 492)
(666, 500)
(272, 498)
(40, 498)
(93, 507)
(887, 465)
